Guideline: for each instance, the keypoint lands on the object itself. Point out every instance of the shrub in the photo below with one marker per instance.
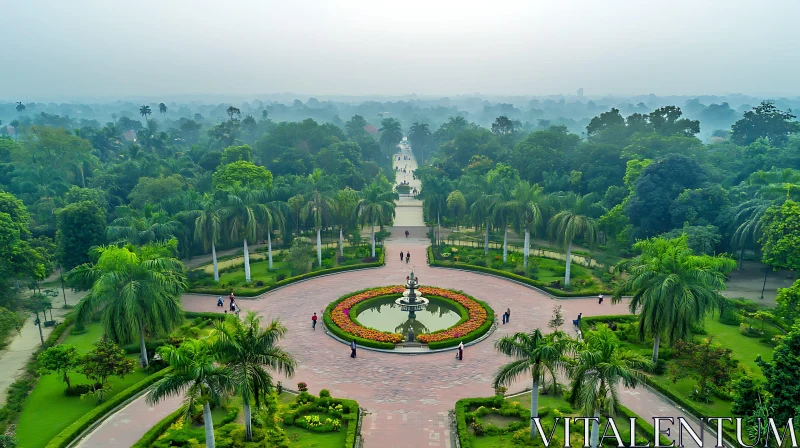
(324, 393)
(730, 317)
(302, 387)
(80, 389)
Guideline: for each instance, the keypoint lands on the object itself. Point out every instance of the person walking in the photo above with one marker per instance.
(232, 301)
(314, 321)
(406, 233)
(508, 315)
(353, 348)
(401, 256)
(600, 299)
(461, 351)
(408, 256)
(504, 318)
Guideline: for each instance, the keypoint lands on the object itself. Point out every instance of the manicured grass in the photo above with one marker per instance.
(544, 270)
(48, 411)
(301, 438)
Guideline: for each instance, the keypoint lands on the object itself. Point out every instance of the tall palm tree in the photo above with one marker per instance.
(144, 111)
(296, 204)
(20, 107)
(274, 219)
(208, 218)
(672, 289)
(319, 208)
(576, 218)
(163, 109)
(391, 133)
(531, 205)
(504, 210)
(600, 366)
(434, 200)
(535, 355)
(135, 294)
(244, 209)
(419, 135)
(141, 228)
(195, 375)
(251, 352)
(375, 206)
(482, 211)
(346, 202)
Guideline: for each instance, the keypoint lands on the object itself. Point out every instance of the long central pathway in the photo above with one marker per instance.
(406, 396)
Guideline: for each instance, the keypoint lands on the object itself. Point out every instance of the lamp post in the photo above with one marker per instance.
(766, 272)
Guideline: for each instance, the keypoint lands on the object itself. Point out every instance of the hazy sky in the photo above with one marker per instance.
(114, 48)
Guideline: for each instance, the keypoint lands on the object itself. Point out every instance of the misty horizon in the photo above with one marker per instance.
(88, 49)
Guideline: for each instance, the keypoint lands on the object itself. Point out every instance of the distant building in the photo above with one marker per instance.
(129, 136)
(371, 129)
(580, 92)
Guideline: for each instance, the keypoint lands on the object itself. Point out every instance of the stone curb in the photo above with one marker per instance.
(420, 352)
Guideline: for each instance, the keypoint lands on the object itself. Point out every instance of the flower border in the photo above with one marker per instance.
(477, 315)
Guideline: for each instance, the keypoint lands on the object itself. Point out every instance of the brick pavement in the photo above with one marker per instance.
(407, 396)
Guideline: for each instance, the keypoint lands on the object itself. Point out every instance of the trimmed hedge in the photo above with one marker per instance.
(647, 429)
(587, 322)
(341, 334)
(471, 336)
(510, 275)
(257, 292)
(350, 413)
(158, 429)
(65, 437)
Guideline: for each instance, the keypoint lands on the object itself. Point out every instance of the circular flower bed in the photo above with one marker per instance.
(340, 315)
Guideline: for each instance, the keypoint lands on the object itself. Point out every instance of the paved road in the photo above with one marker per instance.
(407, 397)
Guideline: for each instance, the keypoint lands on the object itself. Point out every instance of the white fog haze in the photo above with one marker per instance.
(113, 49)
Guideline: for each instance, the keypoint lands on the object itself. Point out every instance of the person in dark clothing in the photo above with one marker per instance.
(314, 321)
(600, 299)
(408, 256)
(401, 255)
(353, 349)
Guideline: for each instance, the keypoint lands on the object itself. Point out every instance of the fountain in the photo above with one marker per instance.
(410, 301)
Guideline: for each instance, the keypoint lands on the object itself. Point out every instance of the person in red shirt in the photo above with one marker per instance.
(314, 321)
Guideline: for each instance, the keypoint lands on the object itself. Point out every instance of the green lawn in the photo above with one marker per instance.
(545, 270)
(261, 275)
(744, 349)
(48, 411)
(302, 438)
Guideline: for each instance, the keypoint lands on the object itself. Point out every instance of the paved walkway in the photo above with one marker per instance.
(407, 396)
(16, 355)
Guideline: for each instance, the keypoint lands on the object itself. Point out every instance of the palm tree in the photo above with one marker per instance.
(141, 228)
(419, 135)
(274, 219)
(346, 202)
(482, 211)
(530, 204)
(251, 351)
(134, 294)
(195, 375)
(457, 204)
(391, 133)
(576, 218)
(599, 367)
(163, 109)
(434, 200)
(375, 206)
(144, 111)
(672, 289)
(296, 204)
(535, 355)
(319, 207)
(244, 209)
(208, 218)
(505, 208)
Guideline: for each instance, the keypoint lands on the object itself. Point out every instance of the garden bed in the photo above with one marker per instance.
(477, 321)
(542, 273)
(263, 279)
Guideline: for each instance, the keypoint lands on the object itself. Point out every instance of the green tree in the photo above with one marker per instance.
(319, 208)
(764, 121)
(781, 236)
(136, 294)
(788, 303)
(355, 127)
(783, 377)
(61, 358)
(457, 204)
(375, 207)
(531, 206)
(274, 218)
(151, 190)
(672, 289)
(197, 376)
(144, 111)
(600, 366)
(252, 353)
(163, 109)
(419, 135)
(236, 153)
(244, 209)
(138, 229)
(391, 134)
(81, 226)
(344, 216)
(482, 211)
(536, 355)
(576, 219)
(242, 174)
(104, 360)
(434, 200)
(208, 216)
(707, 363)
